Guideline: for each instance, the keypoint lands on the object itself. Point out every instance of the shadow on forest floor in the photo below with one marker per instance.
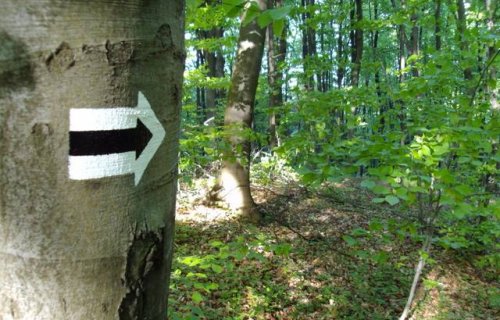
(327, 255)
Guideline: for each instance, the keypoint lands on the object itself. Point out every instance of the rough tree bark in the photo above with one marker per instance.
(234, 179)
(99, 248)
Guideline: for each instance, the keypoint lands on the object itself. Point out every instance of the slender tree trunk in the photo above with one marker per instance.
(308, 45)
(414, 47)
(491, 8)
(383, 107)
(200, 93)
(272, 81)
(275, 57)
(215, 64)
(402, 43)
(437, 25)
(340, 57)
(235, 174)
(357, 44)
(461, 28)
(99, 248)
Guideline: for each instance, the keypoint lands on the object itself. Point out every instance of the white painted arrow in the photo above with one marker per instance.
(85, 167)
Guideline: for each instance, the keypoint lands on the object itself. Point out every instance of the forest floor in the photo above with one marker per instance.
(328, 254)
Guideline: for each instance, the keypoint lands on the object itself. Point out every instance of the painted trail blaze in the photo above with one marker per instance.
(113, 141)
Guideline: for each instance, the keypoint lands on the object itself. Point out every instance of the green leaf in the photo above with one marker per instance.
(252, 12)
(379, 189)
(278, 27)
(358, 232)
(350, 240)
(368, 184)
(375, 225)
(216, 243)
(212, 286)
(280, 13)
(233, 8)
(392, 200)
(191, 261)
(233, 3)
(362, 254)
(197, 297)
(425, 151)
(381, 257)
(402, 193)
(494, 299)
(192, 4)
(264, 19)
(276, 17)
(431, 284)
(463, 189)
(216, 268)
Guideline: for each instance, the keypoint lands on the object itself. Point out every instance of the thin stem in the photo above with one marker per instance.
(416, 278)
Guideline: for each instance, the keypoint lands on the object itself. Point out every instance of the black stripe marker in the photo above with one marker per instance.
(93, 143)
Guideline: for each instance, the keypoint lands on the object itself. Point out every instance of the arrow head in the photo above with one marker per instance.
(142, 136)
(152, 136)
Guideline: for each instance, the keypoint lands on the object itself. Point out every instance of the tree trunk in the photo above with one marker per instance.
(491, 8)
(276, 53)
(234, 179)
(275, 91)
(461, 27)
(414, 48)
(308, 45)
(200, 93)
(437, 25)
(79, 242)
(357, 44)
(215, 64)
(402, 42)
(340, 57)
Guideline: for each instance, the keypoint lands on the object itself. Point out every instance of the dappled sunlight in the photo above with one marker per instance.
(231, 189)
(454, 291)
(273, 272)
(324, 255)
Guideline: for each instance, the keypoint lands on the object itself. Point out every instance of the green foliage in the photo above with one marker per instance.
(221, 270)
(416, 133)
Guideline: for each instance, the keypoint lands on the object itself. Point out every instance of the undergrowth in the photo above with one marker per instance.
(309, 261)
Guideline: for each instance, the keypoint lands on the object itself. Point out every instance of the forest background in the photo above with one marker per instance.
(383, 112)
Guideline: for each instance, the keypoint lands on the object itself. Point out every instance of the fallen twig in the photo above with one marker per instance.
(416, 278)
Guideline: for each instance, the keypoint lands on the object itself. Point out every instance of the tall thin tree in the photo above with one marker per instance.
(234, 179)
(276, 54)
